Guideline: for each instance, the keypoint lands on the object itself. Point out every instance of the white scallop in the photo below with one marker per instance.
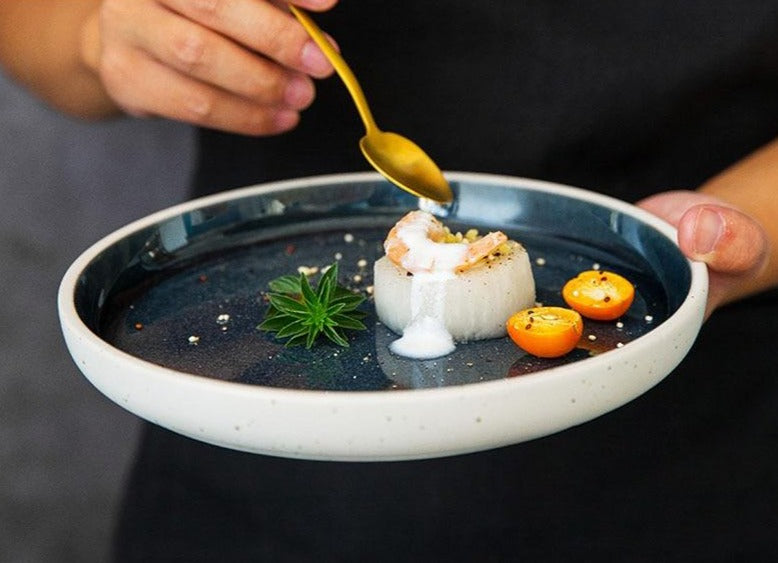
(476, 303)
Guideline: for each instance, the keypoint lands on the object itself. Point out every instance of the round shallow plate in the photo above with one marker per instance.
(161, 317)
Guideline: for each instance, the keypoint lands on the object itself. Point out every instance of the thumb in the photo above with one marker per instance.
(712, 231)
(722, 237)
(734, 246)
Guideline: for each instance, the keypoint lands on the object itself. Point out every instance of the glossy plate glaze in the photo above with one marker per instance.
(161, 317)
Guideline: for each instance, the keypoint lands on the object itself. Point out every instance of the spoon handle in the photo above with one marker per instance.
(343, 70)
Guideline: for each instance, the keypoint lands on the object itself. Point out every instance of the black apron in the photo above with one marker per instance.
(627, 98)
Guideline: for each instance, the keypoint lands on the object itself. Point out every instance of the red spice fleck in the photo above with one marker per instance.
(138, 326)
(202, 278)
(290, 249)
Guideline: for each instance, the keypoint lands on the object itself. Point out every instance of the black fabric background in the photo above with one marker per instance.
(623, 98)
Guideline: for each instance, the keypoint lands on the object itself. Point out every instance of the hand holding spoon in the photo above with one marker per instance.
(399, 159)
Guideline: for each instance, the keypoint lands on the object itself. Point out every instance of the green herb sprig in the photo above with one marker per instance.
(301, 313)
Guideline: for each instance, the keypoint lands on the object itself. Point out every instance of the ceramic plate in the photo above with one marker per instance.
(161, 316)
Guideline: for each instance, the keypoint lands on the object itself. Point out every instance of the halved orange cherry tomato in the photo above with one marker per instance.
(599, 295)
(546, 332)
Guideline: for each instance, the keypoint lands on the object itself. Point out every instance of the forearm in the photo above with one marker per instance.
(752, 186)
(45, 45)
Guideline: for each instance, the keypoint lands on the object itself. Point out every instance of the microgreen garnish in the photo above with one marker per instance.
(300, 313)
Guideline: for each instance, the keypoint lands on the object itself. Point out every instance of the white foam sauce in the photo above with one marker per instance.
(425, 255)
(432, 265)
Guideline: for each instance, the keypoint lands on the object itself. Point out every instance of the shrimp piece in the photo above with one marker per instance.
(422, 226)
(481, 248)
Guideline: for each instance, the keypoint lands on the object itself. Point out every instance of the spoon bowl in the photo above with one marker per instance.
(402, 161)
(398, 159)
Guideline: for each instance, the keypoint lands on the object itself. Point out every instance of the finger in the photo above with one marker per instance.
(143, 86)
(260, 26)
(711, 231)
(315, 5)
(725, 239)
(209, 57)
(671, 205)
(733, 245)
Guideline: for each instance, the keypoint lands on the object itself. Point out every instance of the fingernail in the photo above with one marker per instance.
(313, 59)
(708, 229)
(298, 93)
(285, 120)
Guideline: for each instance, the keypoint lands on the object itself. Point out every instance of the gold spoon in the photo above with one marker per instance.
(399, 159)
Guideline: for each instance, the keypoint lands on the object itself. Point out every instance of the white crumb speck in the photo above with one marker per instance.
(307, 270)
